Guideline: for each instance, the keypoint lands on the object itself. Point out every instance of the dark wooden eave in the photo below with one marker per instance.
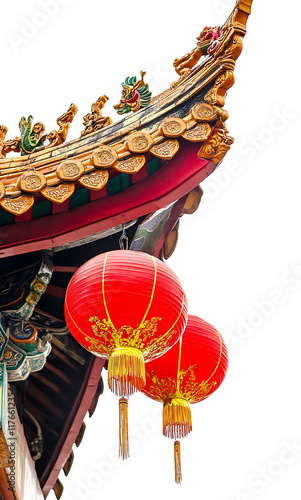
(59, 397)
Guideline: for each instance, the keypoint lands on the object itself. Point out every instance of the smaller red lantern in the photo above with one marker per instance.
(188, 373)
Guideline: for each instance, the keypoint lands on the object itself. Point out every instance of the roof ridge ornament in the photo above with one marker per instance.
(135, 95)
(64, 121)
(31, 139)
(190, 109)
(207, 44)
(94, 121)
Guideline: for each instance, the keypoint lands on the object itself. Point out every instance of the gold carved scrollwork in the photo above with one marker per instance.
(217, 146)
(95, 121)
(234, 50)
(9, 146)
(57, 137)
(216, 94)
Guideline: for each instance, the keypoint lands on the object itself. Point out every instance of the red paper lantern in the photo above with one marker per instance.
(188, 373)
(128, 307)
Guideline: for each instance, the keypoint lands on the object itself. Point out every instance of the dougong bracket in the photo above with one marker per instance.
(24, 308)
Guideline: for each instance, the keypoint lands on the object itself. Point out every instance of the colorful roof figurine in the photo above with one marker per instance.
(121, 184)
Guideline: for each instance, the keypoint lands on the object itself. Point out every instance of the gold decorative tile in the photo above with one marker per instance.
(166, 150)
(173, 127)
(32, 181)
(70, 170)
(200, 133)
(18, 206)
(104, 157)
(139, 142)
(59, 194)
(130, 166)
(95, 180)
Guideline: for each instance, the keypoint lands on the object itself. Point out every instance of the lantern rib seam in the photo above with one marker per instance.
(66, 305)
(179, 365)
(103, 293)
(180, 313)
(152, 295)
(219, 359)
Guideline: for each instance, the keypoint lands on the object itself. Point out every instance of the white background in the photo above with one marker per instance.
(238, 257)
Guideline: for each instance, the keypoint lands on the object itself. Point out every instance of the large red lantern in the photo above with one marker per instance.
(188, 373)
(128, 307)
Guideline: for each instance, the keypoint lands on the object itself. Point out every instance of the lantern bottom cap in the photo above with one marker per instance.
(126, 371)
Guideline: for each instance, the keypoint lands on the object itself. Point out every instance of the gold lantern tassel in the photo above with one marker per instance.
(176, 418)
(124, 451)
(178, 471)
(126, 371)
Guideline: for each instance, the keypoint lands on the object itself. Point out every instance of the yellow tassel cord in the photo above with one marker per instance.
(176, 418)
(126, 371)
(178, 471)
(124, 451)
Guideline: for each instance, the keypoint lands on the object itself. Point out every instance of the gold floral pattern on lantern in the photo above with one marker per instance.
(127, 336)
(184, 386)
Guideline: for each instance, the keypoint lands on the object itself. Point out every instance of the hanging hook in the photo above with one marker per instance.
(123, 240)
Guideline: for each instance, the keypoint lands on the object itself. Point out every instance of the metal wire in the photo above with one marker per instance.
(123, 240)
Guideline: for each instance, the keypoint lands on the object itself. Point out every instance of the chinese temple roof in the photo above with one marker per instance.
(125, 183)
(125, 169)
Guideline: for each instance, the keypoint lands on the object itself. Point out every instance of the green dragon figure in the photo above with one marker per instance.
(135, 95)
(31, 139)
